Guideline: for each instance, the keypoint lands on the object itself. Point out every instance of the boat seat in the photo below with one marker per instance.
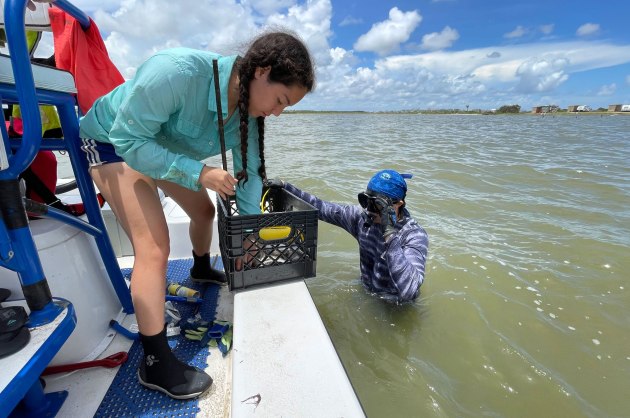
(45, 77)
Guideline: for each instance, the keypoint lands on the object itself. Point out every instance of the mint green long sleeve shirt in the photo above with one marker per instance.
(164, 121)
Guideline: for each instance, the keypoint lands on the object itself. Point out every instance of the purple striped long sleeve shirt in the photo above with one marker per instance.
(393, 269)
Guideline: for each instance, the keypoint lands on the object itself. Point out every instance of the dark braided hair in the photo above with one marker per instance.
(290, 64)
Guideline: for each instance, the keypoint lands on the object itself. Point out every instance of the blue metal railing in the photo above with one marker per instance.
(75, 12)
(17, 248)
(16, 39)
(15, 236)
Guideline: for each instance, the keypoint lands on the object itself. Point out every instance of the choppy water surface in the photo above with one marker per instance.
(525, 311)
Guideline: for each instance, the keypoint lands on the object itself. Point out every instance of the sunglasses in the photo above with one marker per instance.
(374, 203)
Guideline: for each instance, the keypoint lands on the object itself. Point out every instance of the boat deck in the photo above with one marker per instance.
(282, 362)
(115, 392)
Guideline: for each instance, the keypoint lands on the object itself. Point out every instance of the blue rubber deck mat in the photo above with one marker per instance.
(126, 397)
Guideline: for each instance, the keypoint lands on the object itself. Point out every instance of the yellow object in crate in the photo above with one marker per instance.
(272, 233)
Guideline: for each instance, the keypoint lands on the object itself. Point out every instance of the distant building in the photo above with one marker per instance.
(545, 109)
(625, 108)
(540, 109)
(614, 108)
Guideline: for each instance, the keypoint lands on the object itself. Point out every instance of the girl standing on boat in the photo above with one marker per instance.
(152, 131)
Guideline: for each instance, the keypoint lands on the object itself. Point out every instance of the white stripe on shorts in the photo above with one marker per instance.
(89, 146)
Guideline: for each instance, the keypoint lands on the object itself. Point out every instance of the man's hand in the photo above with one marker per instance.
(388, 220)
(274, 183)
(31, 3)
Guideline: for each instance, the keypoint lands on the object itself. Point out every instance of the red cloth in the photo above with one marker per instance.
(44, 166)
(84, 55)
(18, 126)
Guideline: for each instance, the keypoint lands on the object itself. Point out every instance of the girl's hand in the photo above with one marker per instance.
(31, 3)
(220, 181)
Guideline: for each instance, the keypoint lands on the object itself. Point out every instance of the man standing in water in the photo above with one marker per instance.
(392, 246)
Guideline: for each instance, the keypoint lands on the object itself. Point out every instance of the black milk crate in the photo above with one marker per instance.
(251, 256)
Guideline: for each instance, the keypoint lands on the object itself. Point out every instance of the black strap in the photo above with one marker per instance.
(35, 184)
(217, 92)
(4, 295)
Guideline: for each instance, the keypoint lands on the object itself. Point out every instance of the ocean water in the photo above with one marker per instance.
(525, 310)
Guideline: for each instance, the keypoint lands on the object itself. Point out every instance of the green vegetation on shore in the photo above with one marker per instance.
(505, 110)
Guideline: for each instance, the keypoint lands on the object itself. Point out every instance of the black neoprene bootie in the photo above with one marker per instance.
(201, 272)
(14, 335)
(161, 370)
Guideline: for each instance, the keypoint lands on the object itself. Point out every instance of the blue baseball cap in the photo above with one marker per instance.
(389, 183)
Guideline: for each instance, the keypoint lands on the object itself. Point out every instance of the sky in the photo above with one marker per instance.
(383, 55)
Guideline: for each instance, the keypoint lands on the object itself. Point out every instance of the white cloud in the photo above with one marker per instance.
(516, 33)
(607, 90)
(440, 40)
(140, 28)
(547, 29)
(539, 75)
(90, 6)
(349, 21)
(491, 76)
(482, 77)
(386, 36)
(133, 30)
(266, 7)
(311, 21)
(588, 29)
(137, 29)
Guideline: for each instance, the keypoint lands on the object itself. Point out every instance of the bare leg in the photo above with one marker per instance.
(133, 198)
(199, 209)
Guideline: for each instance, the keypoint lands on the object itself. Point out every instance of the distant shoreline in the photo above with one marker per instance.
(459, 113)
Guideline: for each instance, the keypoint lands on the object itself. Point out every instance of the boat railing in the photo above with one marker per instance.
(20, 153)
